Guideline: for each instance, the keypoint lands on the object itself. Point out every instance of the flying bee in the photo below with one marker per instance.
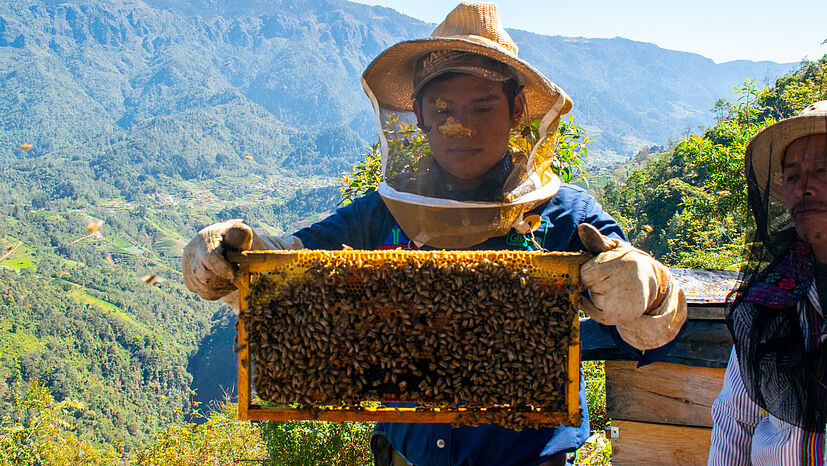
(153, 279)
(93, 227)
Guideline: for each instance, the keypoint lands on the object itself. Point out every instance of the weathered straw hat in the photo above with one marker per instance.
(473, 27)
(765, 151)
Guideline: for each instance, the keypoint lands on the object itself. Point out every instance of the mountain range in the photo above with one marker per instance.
(207, 80)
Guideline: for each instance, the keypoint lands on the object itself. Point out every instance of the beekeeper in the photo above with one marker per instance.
(772, 407)
(466, 89)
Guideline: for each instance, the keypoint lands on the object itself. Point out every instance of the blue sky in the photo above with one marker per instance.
(723, 30)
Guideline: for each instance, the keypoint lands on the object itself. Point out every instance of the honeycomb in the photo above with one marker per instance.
(486, 330)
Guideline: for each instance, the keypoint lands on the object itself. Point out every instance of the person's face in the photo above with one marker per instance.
(805, 190)
(467, 121)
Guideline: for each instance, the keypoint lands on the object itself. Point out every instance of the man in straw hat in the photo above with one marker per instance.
(773, 406)
(466, 89)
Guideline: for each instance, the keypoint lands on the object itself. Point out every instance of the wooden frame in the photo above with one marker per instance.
(254, 262)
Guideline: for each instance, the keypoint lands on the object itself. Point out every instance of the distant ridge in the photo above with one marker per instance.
(280, 80)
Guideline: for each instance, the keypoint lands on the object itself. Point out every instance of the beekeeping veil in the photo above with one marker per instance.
(471, 40)
(782, 359)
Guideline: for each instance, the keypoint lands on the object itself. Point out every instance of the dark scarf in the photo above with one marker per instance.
(780, 374)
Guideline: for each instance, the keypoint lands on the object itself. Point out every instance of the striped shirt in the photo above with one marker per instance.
(745, 434)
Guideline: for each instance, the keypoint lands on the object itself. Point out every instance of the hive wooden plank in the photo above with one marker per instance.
(244, 372)
(662, 393)
(706, 312)
(644, 443)
(381, 414)
(706, 286)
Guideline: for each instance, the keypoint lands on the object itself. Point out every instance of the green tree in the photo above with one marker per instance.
(718, 219)
(793, 92)
(41, 430)
(688, 206)
(307, 443)
(720, 109)
(222, 439)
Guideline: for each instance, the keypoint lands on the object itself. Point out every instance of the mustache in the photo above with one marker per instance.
(807, 205)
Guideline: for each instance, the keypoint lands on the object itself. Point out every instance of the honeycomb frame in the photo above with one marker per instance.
(558, 268)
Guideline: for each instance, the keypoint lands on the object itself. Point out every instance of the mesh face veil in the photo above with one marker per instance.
(774, 315)
(454, 181)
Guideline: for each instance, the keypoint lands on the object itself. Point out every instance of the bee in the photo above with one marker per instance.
(93, 227)
(153, 279)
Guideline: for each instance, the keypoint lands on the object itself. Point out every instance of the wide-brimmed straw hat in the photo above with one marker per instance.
(765, 151)
(473, 27)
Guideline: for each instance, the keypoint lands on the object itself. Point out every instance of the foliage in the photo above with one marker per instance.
(407, 145)
(98, 334)
(308, 443)
(567, 150)
(40, 430)
(571, 151)
(365, 177)
(596, 451)
(222, 439)
(79, 309)
(75, 305)
(688, 206)
(795, 91)
(595, 376)
(717, 219)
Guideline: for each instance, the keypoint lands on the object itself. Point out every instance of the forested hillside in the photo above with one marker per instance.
(688, 205)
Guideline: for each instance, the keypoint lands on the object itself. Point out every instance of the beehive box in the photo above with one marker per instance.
(459, 337)
(661, 413)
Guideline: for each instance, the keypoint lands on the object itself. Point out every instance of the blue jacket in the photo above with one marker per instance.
(367, 224)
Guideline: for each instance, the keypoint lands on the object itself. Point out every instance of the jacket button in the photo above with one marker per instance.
(440, 443)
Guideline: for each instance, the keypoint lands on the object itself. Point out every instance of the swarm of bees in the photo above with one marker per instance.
(439, 333)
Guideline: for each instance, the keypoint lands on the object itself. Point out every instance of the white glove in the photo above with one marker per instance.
(630, 290)
(208, 273)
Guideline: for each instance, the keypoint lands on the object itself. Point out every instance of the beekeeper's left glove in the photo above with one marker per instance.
(630, 290)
